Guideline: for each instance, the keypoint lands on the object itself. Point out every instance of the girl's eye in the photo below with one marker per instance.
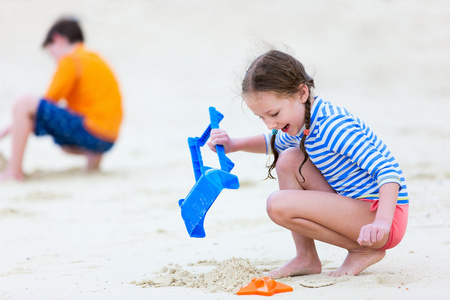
(275, 114)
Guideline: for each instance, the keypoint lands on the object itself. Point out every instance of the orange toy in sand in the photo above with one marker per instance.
(264, 286)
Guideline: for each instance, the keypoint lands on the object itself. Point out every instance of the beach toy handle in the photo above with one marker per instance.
(195, 143)
(209, 182)
(225, 163)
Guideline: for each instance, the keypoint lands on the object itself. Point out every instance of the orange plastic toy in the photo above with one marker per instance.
(264, 286)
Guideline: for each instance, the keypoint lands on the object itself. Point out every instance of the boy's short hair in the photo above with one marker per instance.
(67, 27)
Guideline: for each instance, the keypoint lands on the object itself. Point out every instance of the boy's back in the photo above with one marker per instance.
(90, 89)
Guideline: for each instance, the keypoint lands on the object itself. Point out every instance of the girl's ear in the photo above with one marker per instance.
(303, 92)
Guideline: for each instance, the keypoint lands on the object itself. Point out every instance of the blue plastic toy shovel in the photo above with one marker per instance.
(209, 181)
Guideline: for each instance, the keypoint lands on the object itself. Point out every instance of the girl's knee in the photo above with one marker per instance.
(275, 207)
(289, 160)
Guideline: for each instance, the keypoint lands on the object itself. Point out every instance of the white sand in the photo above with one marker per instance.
(68, 235)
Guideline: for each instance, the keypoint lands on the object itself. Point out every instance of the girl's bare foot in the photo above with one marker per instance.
(297, 266)
(358, 260)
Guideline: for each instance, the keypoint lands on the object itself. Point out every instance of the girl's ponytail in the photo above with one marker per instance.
(305, 134)
(275, 155)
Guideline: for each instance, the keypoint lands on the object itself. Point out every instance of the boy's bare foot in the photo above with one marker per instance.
(3, 162)
(297, 266)
(7, 175)
(93, 161)
(358, 260)
(4, 132)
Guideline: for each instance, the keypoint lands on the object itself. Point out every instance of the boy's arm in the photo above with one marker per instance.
(254, 144)
(63, 80)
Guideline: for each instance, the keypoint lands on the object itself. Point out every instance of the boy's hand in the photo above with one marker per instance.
(220, 137)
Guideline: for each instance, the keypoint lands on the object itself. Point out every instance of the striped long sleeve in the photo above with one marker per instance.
(354, 161)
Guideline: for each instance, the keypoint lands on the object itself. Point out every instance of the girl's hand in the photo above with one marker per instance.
(220, 137)
(372, 233)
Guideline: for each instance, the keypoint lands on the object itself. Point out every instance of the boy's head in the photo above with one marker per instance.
(67, 27)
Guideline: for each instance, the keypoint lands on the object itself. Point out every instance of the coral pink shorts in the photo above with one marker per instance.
(398, 226)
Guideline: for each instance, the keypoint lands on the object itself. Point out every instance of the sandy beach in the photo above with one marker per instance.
(118, 234)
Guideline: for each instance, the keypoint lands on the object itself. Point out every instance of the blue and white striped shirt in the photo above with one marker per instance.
(354, 161)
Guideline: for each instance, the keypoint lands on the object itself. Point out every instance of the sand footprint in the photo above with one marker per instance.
(318, 281)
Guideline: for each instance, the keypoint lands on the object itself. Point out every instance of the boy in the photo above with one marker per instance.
(89, 124)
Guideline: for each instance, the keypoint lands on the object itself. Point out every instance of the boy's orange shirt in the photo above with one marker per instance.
(88, 85)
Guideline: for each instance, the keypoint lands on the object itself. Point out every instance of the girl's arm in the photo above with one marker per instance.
(254, 144)
(375, 232)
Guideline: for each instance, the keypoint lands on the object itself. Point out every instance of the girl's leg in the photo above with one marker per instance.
(330, 218)
(22, 125)
(306, 260)
(314, 211)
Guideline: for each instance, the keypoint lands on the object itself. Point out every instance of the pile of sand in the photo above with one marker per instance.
(229, 276)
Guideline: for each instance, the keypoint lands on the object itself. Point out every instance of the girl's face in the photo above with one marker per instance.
(285, 113)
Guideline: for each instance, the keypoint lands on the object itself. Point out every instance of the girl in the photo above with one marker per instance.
(339, 183)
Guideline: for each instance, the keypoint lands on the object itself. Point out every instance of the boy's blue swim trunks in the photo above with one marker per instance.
(66, 128)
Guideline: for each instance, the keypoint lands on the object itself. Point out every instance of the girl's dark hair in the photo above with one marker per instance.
(66, 26)
(281, 73)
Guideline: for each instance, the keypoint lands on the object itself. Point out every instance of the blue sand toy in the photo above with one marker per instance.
(209, 181)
